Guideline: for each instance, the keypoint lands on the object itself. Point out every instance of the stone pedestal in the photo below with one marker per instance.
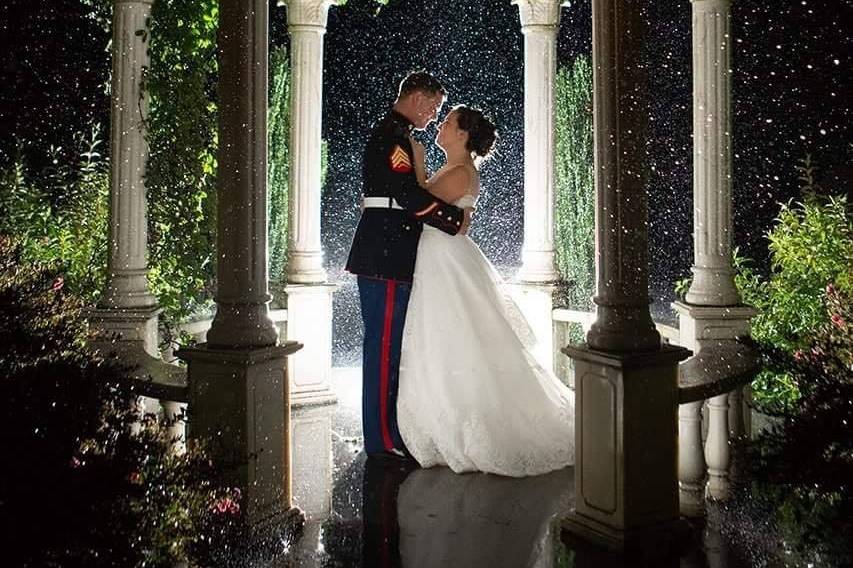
(537, 305)
(625, 444)
(239, 404)
(312, 463)
(136, 327)
(540, 22)
(309, 321)
(707, 326)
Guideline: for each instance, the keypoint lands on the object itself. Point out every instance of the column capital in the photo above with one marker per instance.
(149, 2)
(308, 13)
(539, 12)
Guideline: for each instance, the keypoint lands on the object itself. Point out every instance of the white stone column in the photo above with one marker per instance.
(626, 426)
(126, 306)
(306, 22)
(308, 295)
(242, 297)
(713, 275)
(540, 21)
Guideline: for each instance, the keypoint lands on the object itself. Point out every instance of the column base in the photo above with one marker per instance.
(626, 434)
(126, 325)
(661, 540)
(309, 321)
(536, 302)
(702, 326)
(312, 464)
(537, 267)
(239, 404)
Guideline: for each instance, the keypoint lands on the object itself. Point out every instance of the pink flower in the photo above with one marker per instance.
(75, 462)
(798, 355)
(837, 320)
(58, 283)
(134, 478)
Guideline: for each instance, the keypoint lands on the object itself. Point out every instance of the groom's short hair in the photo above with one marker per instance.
(421, 81)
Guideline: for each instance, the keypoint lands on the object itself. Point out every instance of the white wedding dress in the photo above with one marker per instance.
(471, 395)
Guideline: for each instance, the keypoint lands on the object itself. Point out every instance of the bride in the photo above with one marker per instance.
(471, 395)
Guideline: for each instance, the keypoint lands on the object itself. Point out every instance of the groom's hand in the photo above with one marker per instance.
(466, 222)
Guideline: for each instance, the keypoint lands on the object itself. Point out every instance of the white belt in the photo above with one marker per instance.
(381, 203)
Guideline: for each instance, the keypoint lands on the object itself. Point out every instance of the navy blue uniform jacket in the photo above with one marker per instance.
(386, 240)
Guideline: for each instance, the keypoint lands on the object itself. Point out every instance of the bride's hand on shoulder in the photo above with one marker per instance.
(418, 150)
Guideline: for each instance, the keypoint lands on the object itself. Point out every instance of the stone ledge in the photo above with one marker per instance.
(716, 370)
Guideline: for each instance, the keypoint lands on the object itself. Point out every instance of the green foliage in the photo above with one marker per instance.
(574, 185)
(800, 470)
(279, 161)
(811, 245)
(61, 214)
(88, 485)
(181, 170)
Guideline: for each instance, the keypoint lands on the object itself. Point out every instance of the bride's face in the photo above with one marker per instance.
(449, 133)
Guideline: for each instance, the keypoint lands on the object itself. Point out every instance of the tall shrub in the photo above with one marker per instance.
(574, 188)
(279, 161)
(181, 171)
(59, 215)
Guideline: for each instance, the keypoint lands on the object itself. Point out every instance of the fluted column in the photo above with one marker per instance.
(713, 275)
(540, 21)
(308, 297)
(242, 298)
(306, 22)
(127, 271)
(623, 322)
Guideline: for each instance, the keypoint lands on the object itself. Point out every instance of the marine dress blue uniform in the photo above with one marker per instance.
(383, 257)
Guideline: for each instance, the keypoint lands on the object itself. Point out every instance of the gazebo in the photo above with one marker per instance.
(641, 458)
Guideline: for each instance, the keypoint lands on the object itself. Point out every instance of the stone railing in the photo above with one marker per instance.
(163, 388)
(712, 408)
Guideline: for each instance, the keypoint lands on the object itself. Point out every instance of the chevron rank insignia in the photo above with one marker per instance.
(399, 160)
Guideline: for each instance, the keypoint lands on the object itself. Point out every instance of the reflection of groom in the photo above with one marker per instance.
(384, 248)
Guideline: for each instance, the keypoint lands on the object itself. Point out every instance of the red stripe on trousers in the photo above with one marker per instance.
(385, 364)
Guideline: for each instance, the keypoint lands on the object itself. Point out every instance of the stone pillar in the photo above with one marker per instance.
(620, 112)
(540, 21)
(306, 22)
(242, 297)
(238, 390)
(308, 296)
(127, 307)
(626, 389)
(713, 275)
(534, 287)
(711, 313)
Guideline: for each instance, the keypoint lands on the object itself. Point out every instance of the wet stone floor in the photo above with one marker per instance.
(376, 513)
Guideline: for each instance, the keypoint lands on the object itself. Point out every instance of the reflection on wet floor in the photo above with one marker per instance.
(378, 513)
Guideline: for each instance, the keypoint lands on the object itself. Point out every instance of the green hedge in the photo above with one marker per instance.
(574, 185)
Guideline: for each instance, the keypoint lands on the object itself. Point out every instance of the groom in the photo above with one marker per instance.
(384, 248)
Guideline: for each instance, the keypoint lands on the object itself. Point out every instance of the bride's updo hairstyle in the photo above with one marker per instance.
(482, 134)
